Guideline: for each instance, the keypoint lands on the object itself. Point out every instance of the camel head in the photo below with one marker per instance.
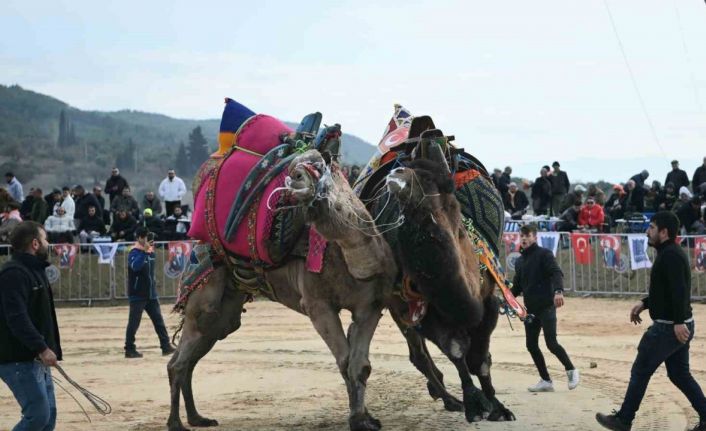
(309, 177)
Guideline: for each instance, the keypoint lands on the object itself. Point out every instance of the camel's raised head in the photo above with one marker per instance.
(308, 174)
(425, 181)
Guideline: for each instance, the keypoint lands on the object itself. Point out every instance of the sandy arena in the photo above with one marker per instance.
(275, 373)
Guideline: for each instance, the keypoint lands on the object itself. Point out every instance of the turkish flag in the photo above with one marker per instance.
(581, 244)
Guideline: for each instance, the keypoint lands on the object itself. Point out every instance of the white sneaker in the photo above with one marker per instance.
(542, 386)
(574, 378)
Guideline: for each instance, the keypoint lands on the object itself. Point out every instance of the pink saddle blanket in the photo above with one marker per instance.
(212, 202)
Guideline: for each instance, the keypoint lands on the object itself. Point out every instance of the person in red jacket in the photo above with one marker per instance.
(591, 215)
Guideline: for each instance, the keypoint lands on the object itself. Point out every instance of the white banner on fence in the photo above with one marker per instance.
(638, 252)
(549, 240)
(106, 252)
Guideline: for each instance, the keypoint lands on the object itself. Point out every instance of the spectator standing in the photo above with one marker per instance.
(91, 226)
(505, 180)
(67, 203)
(171, 190)
(497, 173)
(53, 200)
(40, 210)
(667, 340)
(515, 202)
(60, 227)
(142, 294)
(652, 197)
(677, 176)
(542, 193)
(29, 334)
(14, 187)
(152, 202)
(699, 177)
(540, 280)
(560, 187)
(127, 202)
(636, 192)
(123, 227)
(591, 215)
(115, 184)
(9, 220)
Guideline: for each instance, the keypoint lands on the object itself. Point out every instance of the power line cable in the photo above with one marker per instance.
(688, 58)
(634, 82)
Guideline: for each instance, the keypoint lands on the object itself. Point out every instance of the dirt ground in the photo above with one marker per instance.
(276, 374)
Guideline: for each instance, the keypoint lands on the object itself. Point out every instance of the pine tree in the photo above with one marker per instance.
(63, 132)
(71, 135)
(182, 161)
(198, 149)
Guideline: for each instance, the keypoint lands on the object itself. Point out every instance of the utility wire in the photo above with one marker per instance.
(634, 82)
(688, 59)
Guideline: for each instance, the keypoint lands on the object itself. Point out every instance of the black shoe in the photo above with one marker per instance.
(700, 427)
(168, 350)
(612, 422)
(132, 354)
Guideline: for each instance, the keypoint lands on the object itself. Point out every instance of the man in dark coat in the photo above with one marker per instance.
(115, 184)
(123, 228)
(636, 192)
(29, 334)
(540, 280)
(542, 193)
(689, 216)
(699, 177)
(40, 212)
(677, 176)
(668, 339)
(560, 187)
(83, 201)
(505, 180)
(515, 202)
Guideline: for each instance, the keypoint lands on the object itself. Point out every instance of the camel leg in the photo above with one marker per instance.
(480, 361)
(360, 334)
(474, 401)
(212, 313)
(421, 359)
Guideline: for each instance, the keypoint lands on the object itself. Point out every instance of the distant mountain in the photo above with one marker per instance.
(32, 127)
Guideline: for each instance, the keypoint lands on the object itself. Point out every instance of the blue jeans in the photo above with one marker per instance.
(659, 344)
(32, 386)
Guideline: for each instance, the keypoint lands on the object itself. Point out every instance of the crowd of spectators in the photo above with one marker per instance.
(587, 208)
(74, 214)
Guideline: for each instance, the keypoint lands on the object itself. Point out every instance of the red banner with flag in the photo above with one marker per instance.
(581, 243)
(700, 254)
(512, 242)
(66, 254)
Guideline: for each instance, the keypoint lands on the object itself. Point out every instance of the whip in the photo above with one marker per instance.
(101, 405)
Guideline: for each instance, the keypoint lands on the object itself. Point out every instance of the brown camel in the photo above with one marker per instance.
(359, 271)
(437, 253)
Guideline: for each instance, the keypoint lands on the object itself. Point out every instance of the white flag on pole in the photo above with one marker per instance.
(548, 240)
(638, 252)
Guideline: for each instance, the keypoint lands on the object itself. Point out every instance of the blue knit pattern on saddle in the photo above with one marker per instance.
(481, 202)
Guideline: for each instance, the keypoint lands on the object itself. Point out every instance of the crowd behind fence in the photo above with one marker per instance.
(86, 280)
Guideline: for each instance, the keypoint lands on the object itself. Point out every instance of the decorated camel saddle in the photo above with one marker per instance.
(407, 137)
(241, 215)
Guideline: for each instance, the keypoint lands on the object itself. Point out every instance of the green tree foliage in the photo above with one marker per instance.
(198, 149)
(181, 164)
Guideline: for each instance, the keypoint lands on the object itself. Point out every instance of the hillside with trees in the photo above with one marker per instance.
(48, 143)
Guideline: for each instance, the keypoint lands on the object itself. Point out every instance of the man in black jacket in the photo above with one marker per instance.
(677, 176)
(667, 340)
(540, 280)
(699, 177)
(115, 184)
(83, 201)
(560, 187)
(29, 335)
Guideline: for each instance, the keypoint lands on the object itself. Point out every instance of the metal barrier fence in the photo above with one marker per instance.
(87, 280)
(617, 279)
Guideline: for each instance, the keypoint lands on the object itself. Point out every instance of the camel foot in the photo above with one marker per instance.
(451, 403)
(364, 422)
(500, 413)
(475, 404)
(176, 426)
(200, 421)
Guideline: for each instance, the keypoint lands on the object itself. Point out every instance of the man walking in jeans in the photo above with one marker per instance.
(540, 280)
(142, 293)
(29, 335)
(667, 340)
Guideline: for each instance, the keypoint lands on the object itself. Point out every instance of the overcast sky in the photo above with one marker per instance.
(517, 82)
